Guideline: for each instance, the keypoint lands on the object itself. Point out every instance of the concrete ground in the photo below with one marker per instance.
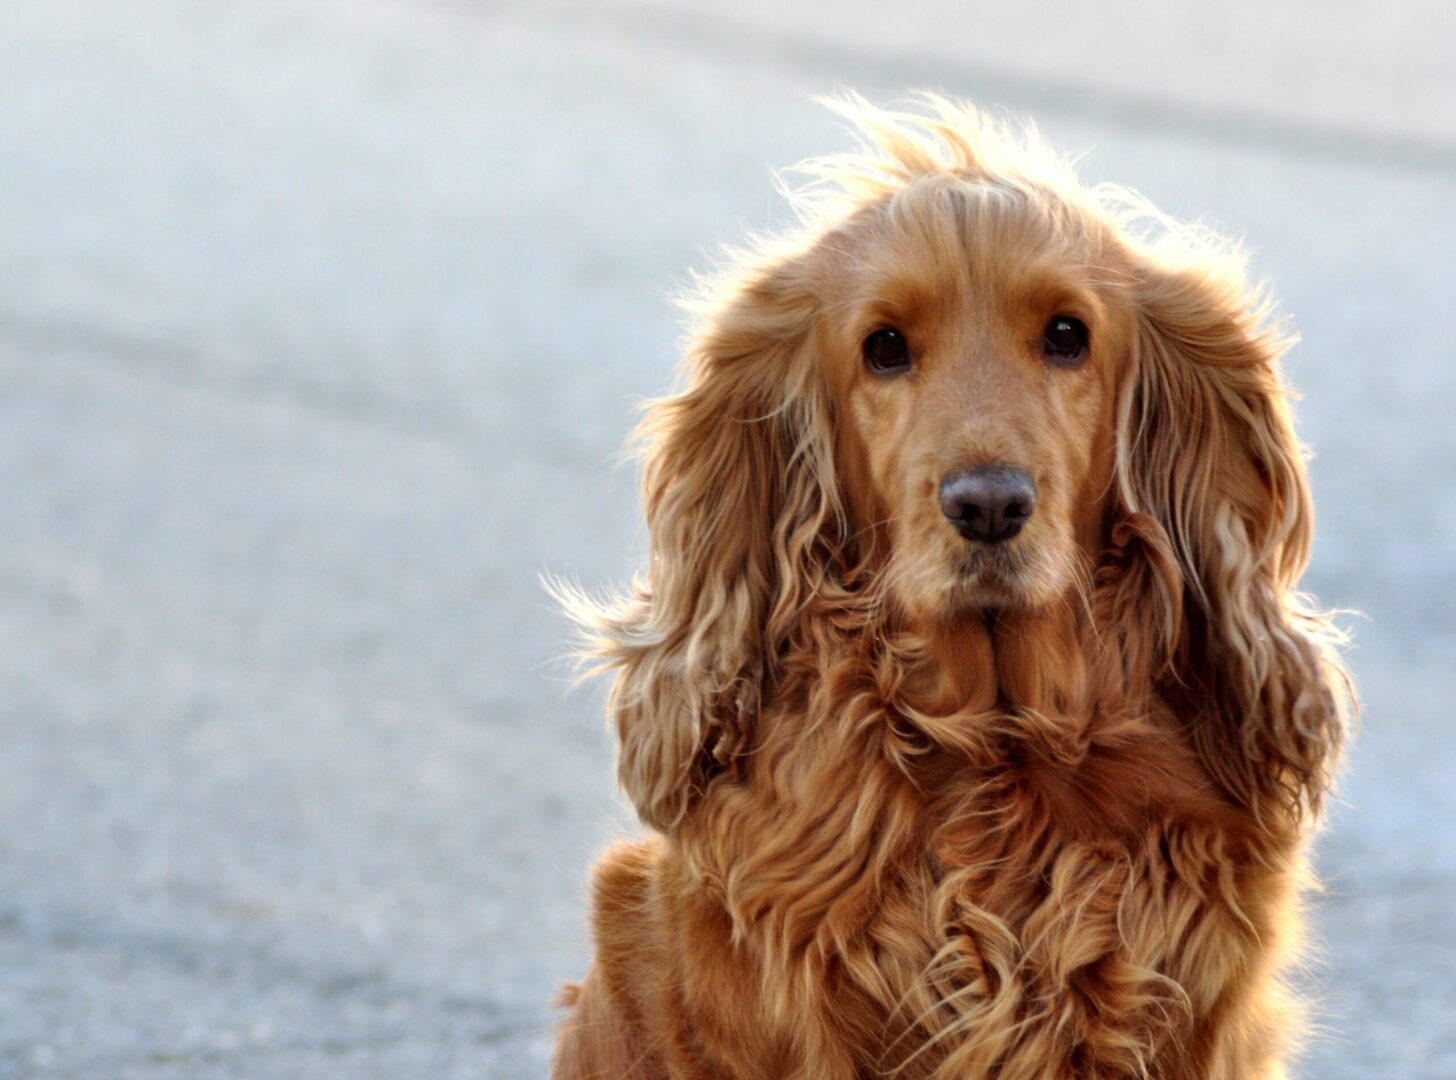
(320, 325)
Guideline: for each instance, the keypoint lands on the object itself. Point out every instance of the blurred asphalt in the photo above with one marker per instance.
(320, 326)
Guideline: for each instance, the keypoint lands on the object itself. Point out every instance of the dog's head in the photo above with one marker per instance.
(967, 388)
(973, 334)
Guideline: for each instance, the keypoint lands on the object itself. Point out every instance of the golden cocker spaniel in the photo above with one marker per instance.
(967, 691)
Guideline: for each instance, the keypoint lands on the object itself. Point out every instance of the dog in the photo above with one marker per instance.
(967, 693)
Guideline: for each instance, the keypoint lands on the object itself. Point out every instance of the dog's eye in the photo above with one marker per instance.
(886, 352)
(1065, 340)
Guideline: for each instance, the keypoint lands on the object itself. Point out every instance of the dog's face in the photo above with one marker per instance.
(973, 355)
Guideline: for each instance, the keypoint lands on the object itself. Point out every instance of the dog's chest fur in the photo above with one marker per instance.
(1066, 899)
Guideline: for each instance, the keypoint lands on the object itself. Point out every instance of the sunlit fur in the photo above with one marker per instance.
(1039, 811)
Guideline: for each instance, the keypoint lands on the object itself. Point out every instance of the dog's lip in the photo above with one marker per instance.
(983, 559)
(989, 576)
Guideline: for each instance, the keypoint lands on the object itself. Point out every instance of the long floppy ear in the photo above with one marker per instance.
(744, 524)
(1217, 509)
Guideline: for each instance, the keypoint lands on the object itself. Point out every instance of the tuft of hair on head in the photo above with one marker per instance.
(931, 135)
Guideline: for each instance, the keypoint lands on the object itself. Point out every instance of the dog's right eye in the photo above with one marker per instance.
(886, 352)
(1065, 341)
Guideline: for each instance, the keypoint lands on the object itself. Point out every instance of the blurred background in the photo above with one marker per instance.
(321, 324)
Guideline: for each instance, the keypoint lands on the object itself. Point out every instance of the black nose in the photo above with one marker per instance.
(991, 503)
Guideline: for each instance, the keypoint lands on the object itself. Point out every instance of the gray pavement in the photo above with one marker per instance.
(320, 326)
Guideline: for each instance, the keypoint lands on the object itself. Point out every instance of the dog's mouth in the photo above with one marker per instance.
(1024, 574)
(987, 576)
(1017, 574)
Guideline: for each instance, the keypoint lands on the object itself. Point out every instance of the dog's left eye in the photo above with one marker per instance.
(886, 352)
(1065, 340)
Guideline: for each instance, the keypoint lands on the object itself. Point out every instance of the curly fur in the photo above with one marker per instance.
(908, 826)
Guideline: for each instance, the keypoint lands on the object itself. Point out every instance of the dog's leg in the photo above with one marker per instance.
(596, 1043)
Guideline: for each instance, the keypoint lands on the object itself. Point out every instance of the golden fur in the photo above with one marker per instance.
(1037, 812)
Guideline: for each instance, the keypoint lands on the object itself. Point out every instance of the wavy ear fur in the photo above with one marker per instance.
(744, 519)
(1216, 502)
